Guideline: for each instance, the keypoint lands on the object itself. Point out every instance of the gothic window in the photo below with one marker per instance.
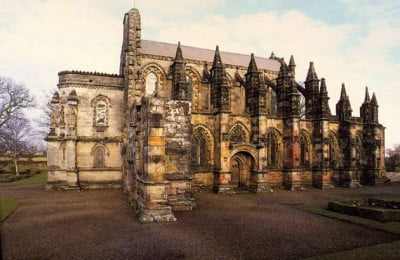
(151, 83)
(99, 161)
(238, 135)
(189, 88)
(200, 149)
(304, 151)
(272, 149)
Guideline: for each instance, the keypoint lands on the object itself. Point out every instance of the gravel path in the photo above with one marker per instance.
(100, 225)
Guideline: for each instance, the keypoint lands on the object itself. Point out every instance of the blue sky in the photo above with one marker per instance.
(356, 42)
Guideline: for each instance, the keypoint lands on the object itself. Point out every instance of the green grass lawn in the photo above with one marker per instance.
(36, 179)
(7, 206)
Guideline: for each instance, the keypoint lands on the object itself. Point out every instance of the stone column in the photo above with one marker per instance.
(222, 174)
(291, 158)
(321, 171)
(152, 204)
(259, 175)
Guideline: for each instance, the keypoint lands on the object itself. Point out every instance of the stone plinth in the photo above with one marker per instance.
(322, 179)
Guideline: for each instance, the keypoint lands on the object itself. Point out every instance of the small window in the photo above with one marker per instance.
(99, 158)
(151, 83)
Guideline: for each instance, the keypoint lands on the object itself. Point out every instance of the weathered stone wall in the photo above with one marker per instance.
(178, 134)
(77, 134)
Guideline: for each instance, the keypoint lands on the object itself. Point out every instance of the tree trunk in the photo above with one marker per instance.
(16, 167)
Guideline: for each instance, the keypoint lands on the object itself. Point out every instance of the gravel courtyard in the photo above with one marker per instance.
(100, 224)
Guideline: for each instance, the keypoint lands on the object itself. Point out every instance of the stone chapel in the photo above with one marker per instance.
(180, 119)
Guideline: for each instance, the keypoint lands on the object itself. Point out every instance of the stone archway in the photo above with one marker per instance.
(241, 165)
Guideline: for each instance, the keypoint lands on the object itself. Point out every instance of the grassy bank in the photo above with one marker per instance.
(36, 179)
(7, 206)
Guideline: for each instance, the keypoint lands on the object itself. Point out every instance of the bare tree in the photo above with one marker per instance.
(42, 124)
(13, 98)
(15, 136)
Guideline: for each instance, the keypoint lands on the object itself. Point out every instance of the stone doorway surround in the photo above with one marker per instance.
(241, 165)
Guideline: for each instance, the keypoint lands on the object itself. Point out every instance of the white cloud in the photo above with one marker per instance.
(40, 38)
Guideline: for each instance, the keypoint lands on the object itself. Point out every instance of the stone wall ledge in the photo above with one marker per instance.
(148, 182)
(99, 169)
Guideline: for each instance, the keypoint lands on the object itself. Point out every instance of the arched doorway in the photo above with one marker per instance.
(241, 165)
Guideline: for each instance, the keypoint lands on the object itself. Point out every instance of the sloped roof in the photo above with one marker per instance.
(193, 53)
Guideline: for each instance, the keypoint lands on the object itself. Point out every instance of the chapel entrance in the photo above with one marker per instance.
(240, 168)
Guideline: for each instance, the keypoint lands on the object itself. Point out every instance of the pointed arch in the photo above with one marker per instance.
(154, 77)
(305, 148)
(332, 151)
(202, 150)
(239, 134)
(274, 147)
(194, 80)
(99, 152)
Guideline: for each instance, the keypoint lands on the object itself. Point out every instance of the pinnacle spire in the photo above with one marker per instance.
(291, 61)
(217, 58)
(367, 99)
(323, 89)
(311, 75)
(343, 94)
(373, 100)
(252, 64)
(178, 55)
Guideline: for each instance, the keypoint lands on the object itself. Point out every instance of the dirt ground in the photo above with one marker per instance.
(100, 224)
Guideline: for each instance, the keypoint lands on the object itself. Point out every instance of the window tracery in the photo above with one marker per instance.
(237, 135)
(201, 152)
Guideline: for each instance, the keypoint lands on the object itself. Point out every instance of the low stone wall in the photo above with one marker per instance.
(393, 176)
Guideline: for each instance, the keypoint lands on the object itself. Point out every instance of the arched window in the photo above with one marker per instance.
(151, 83)
(331, 156)
(99, 161)
(237, 135)
(200, 149)
(272, 149)
(189, 88)
(305, 151)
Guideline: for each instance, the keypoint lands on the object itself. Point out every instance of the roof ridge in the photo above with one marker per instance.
(188, 46)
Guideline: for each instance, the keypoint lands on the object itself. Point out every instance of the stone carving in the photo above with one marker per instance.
(62, 116)
(238, 135)
(72, 118)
